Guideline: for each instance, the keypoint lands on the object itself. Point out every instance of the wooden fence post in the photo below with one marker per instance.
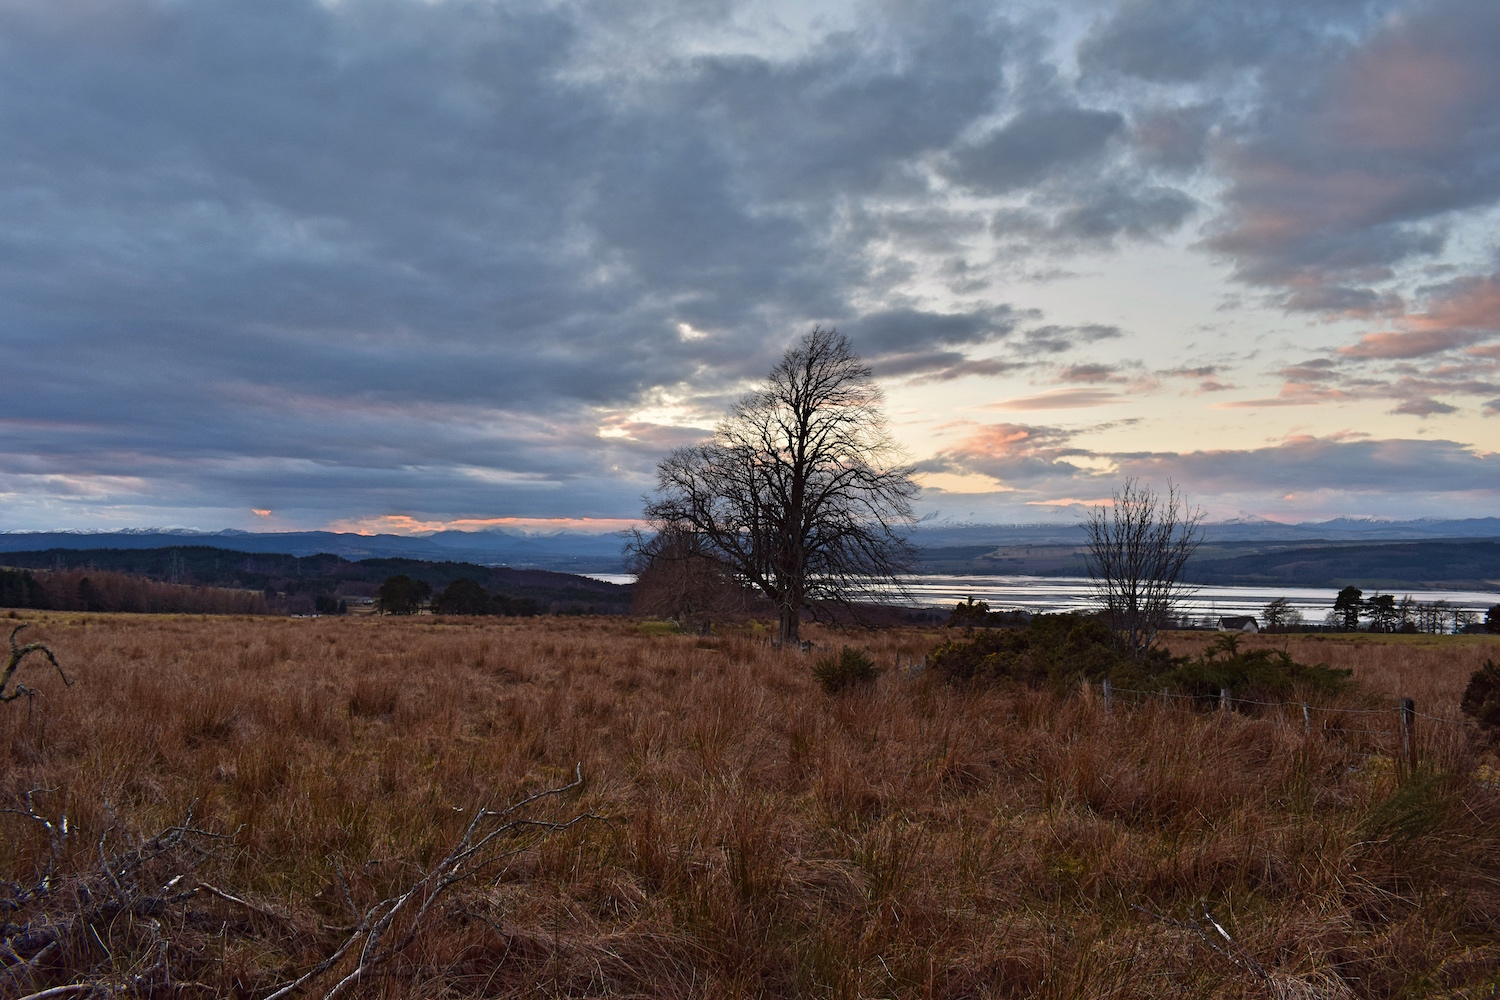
(1306, 719)
(1109, 695)
(1408, 710)
(1223, 699)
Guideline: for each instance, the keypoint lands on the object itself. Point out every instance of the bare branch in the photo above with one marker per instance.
(19, 653)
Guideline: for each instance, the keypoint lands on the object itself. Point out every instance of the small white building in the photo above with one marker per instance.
(1238, 623)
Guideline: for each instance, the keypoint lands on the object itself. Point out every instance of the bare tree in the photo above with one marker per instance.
(800, 492)
(1138, 547)
(678, 576)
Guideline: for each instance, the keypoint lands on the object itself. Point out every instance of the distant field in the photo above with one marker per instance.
(759, 838)
(1433, 669)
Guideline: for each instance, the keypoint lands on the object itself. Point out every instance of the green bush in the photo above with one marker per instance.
(1059, 651)
(1256, 674)
(1055, 650)
(1481, 700)
(850, 667)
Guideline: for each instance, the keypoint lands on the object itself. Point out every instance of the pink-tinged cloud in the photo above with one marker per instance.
(1407, 344)
(1292, 394)
(1058, 399)
(1348, 173)
(1328, 474)
(1002, 441)
(1467, 304)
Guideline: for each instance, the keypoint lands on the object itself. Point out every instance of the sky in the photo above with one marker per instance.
(401, 265)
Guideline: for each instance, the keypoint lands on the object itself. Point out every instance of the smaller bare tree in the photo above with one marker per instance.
(679, 576)
(1138, 547)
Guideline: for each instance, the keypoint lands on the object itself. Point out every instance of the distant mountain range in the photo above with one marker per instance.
(1243, 550)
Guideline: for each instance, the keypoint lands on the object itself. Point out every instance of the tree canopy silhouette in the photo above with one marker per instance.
(801, 493)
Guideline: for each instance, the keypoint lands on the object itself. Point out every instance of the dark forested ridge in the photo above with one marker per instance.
(290, 578)
(1465, 562)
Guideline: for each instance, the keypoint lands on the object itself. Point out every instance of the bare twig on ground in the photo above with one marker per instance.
(392, 924)
(17, 654)
(1228, 948)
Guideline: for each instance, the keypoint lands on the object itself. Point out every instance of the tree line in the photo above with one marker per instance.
(1383, 613)
(402, 595)
(101, 590)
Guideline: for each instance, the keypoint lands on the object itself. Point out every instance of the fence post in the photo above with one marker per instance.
(1306, 719)
(1223, 699)
(1164, 702)
(1109, 696)
(1408, 709)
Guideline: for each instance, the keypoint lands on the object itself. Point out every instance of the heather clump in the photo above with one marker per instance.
(849, 668)
(1052, 651)
(1061, 651)
(1261, 673)
(1481, 700)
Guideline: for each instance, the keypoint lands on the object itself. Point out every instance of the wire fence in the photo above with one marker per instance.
(1331, 720)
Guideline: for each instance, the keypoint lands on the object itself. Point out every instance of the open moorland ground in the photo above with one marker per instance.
(743, 833)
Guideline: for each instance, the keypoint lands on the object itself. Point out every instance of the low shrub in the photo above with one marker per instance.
(1059, 651)
(1481, 700)
(849, 668)
(1054, 650)
(1257, 674)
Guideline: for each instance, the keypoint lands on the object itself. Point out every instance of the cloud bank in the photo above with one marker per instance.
(293, 263)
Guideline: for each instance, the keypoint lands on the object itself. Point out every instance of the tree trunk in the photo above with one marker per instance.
(791, 618)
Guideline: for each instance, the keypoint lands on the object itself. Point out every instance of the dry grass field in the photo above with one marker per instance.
(756, 837)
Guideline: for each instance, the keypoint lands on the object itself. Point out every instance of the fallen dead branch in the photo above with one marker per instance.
(133, 921)
(128, 923)
(114, 926)
(1219, 942)
(391, 925)
(17, 654)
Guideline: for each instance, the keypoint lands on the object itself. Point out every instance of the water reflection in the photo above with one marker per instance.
(1050, 593)
(1074, 594)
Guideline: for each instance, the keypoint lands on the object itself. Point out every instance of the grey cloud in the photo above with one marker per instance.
(1141, 213)
(1180, 40)
(903, 328)
(1053, 339)
(1175, 139)
(362, 239)
(1424, 407)
(1090, 373)
(1060, 399)
(1325, 463)
(1028, 148)
(1360, 152)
